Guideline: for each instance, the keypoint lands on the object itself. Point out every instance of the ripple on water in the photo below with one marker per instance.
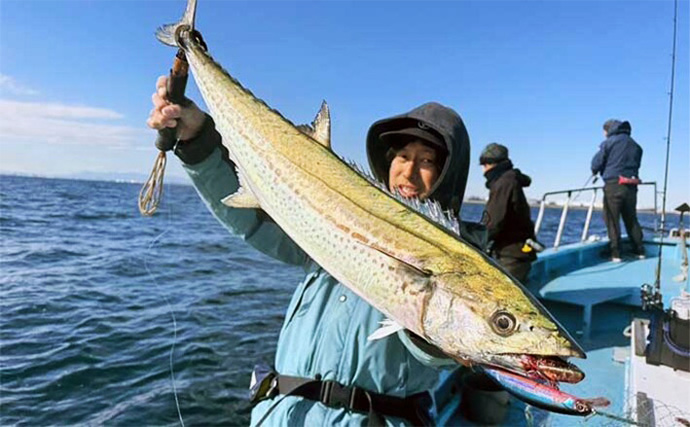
(51, 254)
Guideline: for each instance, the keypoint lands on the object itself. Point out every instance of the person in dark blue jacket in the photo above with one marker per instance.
(618, 162)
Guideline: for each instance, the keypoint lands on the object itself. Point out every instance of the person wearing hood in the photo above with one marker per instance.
(326, 371)
(507, 213)
(618, 162)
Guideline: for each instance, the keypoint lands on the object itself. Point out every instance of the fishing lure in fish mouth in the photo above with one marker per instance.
(545, 394)
(551, 369)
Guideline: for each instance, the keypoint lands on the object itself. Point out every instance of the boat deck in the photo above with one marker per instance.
(596, 301)
(609, 281)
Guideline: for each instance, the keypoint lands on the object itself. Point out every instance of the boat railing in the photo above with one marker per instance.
(570, 197)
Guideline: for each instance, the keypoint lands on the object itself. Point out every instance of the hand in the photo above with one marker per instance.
(188, 119)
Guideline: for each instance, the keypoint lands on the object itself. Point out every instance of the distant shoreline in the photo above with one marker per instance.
(537, 204)
(176, 180)
(125, 179)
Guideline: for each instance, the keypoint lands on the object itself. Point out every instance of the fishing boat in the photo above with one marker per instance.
(631, 317)
(632, 321)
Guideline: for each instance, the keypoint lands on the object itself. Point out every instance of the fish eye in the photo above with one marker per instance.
(503, 323)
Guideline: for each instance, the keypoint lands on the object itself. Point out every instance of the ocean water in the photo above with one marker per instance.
(93, 296)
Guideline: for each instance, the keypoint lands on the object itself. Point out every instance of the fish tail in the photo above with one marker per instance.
(167, 34)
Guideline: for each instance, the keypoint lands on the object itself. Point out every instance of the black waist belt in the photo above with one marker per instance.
(414, 408)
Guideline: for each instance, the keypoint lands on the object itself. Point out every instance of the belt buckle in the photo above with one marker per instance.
(334, 394)
(325, 392)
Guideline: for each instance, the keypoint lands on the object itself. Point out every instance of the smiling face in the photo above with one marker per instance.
(414, 170)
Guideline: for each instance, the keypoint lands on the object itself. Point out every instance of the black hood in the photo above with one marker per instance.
(617, 127)
(449, 189)
(522, 179)
(505, 168)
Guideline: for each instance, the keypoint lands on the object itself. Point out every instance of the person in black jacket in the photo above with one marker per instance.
(507, 213)
(618, 162)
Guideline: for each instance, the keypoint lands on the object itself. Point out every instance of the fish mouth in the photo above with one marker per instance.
(552, 369)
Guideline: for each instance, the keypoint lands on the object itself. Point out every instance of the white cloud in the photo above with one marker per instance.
(54, 123)
(58, 111)
(9, 85)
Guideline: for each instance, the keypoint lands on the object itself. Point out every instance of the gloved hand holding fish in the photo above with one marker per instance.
(405, 258)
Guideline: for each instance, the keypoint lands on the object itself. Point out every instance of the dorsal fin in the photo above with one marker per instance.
(320, 128)
(430, 209)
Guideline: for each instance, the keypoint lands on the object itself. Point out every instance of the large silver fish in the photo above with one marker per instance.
(409, 266)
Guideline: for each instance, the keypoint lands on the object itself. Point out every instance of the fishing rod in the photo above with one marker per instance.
(152, 191)
(592, 178)
(651, 295)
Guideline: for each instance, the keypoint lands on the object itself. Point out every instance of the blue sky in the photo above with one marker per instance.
(540, 77)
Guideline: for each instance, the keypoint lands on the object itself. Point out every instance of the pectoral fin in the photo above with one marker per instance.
(388, 327)
(242, 198)
(320, 128)
(415, 268)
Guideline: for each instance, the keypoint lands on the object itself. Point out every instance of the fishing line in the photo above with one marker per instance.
(582, 187)
(621, 419)
(170, 310)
